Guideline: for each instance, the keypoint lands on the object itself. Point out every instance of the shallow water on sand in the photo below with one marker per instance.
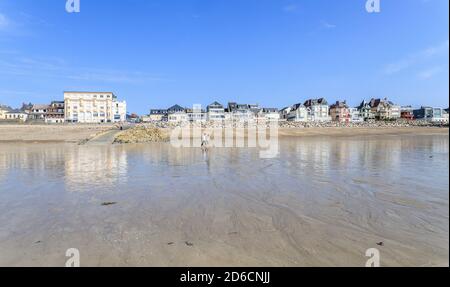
(321, 202)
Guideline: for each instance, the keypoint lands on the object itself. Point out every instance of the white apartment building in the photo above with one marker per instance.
(93, 107)
(269, 114)
(196, 114)
(297, 113)
(3, 111)
(178, 117)
(120, 111)
(318, 110)
(243, 113)
(284, 113)
(395, 112)
(215, 112)
(15, 115)
(445, 116)
(39, 112)
(355, 116)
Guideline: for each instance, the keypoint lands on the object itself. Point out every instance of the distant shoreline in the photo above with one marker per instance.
(76, 134)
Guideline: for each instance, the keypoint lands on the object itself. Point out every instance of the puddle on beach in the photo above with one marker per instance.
(321, 202)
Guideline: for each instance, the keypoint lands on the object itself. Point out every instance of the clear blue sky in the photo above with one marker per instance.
(155, 53)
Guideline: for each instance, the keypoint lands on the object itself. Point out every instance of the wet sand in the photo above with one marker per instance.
(323, 202)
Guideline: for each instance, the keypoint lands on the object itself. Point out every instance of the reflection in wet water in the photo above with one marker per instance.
(95, 167)
(81, 167)
(323, 201)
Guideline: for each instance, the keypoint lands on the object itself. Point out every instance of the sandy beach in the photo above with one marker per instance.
(50, 133)
(82, 133)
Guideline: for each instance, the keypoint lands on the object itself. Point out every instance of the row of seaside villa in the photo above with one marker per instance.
(312, 110)
(104, 107)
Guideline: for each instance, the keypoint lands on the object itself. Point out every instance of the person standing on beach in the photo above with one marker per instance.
(205, 141)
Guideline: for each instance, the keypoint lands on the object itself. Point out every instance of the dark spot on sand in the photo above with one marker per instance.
(170, 243)
(380, 243)
(37, 242)
(233, 233)
(108, 203)
(189, 243)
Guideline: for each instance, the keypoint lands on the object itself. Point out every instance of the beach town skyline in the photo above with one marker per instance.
(159, 106)
(105, 107)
